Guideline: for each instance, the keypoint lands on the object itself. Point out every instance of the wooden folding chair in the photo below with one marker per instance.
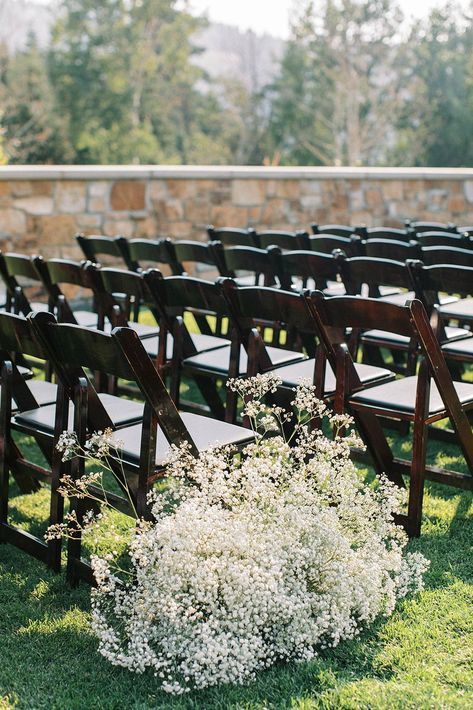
(233, 236)
(338, 230)
(444, 239)
(248, 306)
(327, 243)
(434, 256)
(247, 265)
(298, 269)
(153, 253)
(100, 249)
(19, 274)
(145, 444)
(419, 227)
(399, 235)
(59, 273)
(421, 399)
(283, 240)
(431, 282)
(393, 249)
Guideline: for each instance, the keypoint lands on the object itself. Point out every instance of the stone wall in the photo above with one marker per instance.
(41, 208)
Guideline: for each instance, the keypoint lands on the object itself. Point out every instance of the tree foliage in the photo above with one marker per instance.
(118, 84)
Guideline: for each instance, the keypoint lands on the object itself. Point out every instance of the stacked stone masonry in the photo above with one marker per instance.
(42, 208)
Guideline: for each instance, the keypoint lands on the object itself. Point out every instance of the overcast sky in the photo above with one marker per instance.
(272, 16)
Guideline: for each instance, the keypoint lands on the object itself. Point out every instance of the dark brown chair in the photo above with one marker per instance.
(327, 243)
(419, 227)
(146, 444)
(283, 240)
(420, 399)
(30, 408)
(153, 253)
(59, 273)
(444, 239)
(19, 274)
(247, 265)
(434, 256)
(392, 249)
(233, 236)
(248, 305)
(339, 230)
(399, 235)
(100, 249)
(298, 269)
(431, 282)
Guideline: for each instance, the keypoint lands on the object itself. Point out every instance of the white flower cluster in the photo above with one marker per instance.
(255, 558)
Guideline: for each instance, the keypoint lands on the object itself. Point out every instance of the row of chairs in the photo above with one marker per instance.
(367, 391)
(117, 295)
(181, 256)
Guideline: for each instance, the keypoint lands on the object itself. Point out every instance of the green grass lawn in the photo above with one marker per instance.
(421, 657)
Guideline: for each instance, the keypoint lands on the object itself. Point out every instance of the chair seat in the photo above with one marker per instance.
(291, 375)
(218, 361)
(43, 391)
(399, 298)
(374, 336)
(461, 309)
(143, 331)
(202, 342)
(399, 396)
(122, 412)
(205, 432)
(459, 349)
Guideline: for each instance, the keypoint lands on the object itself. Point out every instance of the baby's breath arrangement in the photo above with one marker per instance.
(255, 558)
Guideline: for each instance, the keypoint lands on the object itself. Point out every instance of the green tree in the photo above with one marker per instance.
(33, 131)
(435, 72)
(123, 75)
(334, 99)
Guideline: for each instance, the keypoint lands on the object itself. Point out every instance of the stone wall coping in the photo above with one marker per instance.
(226, 172)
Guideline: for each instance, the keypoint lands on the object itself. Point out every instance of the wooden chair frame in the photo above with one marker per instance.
(334, 316)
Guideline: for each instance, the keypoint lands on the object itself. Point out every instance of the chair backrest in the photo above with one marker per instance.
(326, 243)
(434, 256)
(400, 235)
(339, 230)
(420, 227)
(173, 296)
(250, 305)
(15, 266)
(284, 240)
(108, 282)
(373, 272)
(301, 265)
(233, 236)
(334, 315)
(392, 249)
(447, 239)
(96, 246)
(120, 354)
(57, 273)
(17, 339)
(193, 253)
(149, 253)
(430, 281)
(249, 260)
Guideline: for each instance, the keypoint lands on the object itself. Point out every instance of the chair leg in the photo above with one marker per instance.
(416, 487)
(419, 452)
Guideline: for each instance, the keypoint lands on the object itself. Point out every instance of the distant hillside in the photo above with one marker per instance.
(19, 18)
(227, 52)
